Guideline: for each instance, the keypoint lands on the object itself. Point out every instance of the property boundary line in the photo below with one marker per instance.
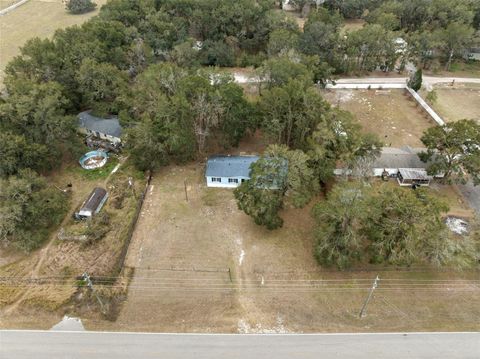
(123, 255)
(12, 7)
(380, 86)
(54, 332)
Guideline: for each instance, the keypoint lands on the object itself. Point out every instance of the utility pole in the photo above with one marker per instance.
(87, 279)
(364, 308)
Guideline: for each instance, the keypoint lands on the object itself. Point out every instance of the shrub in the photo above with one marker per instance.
(80, 6)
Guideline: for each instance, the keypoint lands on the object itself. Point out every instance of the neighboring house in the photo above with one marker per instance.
(472, 54)
(93, 204)
(228, 171)
(108, 129)
(402, 163)
(400, 45)
(392, 159)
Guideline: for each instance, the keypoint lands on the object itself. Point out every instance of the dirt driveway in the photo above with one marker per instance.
(204, 266)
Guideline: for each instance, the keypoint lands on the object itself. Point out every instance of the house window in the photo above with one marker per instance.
(216, 179)
(233, 180)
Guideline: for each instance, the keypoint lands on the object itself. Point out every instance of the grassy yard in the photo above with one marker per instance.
(203, 266)
(458, 68)
(462, 101)
(36, 18)
(6, 3)
(390, 114)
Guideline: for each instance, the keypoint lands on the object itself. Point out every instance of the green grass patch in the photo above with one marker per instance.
(471, 67)
(98, 173)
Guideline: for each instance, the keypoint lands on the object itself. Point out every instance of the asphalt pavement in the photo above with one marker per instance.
(472, 195)
(107, 345)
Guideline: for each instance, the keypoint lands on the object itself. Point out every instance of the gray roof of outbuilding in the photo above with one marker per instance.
(229, 166)
(94, 199)
(109, 126)
(405, 157)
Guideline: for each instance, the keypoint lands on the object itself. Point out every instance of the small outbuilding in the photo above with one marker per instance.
(228, 171)
(93, 204)
(107, 129)
(410, 177)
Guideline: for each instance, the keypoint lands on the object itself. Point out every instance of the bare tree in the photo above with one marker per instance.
(208, 113)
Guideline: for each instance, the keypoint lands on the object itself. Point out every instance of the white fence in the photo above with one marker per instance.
(379, 86)
(12, 7)
(366, 86)
(426, 107)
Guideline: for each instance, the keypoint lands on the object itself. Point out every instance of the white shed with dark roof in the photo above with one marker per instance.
(93, 204)
(228, 171)
(104, 128)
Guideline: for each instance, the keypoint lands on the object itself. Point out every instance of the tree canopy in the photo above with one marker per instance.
(28, 208)
(390, 225)
(453, 150)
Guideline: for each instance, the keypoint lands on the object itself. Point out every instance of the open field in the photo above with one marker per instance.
(204, 266)
(462, 101)
(459, 68)
(35, 18)
(6, 3)
(390, 114)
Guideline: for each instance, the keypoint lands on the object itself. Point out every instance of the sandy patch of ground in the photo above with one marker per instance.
(391, 114)
(352, 25)
(459, 102)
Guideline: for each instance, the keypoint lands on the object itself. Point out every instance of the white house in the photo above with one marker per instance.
(108, 129)
(472, 54)
(228, 171)
(402, 163)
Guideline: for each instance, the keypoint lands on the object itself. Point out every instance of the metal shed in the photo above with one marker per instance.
(93, 204)
(409, 177)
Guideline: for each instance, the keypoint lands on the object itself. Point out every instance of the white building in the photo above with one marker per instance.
(93, 204)
(401, 163)
(228, 171)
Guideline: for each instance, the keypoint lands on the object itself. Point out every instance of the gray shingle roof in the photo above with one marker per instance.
(229, 166)
(108, 126)
(405, 157)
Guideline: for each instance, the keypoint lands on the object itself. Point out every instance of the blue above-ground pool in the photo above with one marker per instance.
(93, 159)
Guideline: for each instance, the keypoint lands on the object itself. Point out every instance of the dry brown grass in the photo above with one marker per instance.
(68, 259)
(391, 114)
(352, 25)
(182, 251)
(459, 102)
(6, 3)
(35, 18)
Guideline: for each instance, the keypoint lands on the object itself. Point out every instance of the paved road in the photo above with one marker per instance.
(427, 80)
(472, 195)
(92, 345)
